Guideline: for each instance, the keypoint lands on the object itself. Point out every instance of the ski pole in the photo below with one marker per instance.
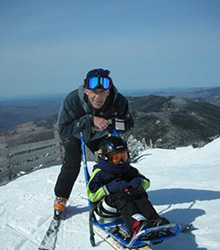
(86, 174)
(115, 132)
(85, 167)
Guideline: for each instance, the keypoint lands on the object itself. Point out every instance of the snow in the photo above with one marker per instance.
(185, 187)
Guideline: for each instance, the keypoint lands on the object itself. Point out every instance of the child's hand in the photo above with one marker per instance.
(117, 186)
(136, 182)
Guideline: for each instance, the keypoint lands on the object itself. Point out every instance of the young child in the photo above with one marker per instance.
(122, 186)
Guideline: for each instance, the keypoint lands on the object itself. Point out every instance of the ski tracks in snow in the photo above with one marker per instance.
(29, 241)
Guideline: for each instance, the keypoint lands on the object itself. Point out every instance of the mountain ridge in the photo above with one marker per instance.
(17, 111)
(173, 121)
(165, 122)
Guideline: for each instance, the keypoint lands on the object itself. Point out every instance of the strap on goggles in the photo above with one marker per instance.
(97, 82)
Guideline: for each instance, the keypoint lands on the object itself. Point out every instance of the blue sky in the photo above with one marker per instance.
(48, 46)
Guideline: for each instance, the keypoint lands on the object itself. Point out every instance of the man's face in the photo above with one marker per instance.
(97, 97)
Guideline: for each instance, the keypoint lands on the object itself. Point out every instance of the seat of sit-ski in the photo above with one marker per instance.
(106, 212)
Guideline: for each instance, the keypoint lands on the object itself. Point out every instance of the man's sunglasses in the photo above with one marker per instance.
(97, 82)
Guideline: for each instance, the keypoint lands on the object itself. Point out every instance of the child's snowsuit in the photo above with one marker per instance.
(123, 188)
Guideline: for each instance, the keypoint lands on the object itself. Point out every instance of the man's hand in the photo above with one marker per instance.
(99, 123)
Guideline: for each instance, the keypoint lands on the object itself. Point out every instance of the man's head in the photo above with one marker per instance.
(97, 87)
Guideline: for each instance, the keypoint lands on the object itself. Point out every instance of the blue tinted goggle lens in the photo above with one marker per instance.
(94, 83)
(105, 82)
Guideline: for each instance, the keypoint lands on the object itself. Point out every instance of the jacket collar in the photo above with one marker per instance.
(112, 168)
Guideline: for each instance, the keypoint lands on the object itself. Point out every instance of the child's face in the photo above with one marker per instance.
(119, 158)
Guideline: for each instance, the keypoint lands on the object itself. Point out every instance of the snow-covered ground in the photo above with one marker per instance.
(185, 187)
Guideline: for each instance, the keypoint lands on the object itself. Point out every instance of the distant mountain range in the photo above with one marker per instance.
(168, 120)
(209, 95)
(173, 121)
(15, 112)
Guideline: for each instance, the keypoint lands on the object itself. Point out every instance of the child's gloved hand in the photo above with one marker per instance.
(136, 182)
(117, 186)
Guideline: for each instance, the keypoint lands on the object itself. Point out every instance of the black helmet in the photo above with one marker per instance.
(98, 73)
(111, 145)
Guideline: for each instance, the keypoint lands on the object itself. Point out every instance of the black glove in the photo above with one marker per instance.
(117, 186)
(136, 182)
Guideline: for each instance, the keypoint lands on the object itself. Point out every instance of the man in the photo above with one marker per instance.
(86, 109)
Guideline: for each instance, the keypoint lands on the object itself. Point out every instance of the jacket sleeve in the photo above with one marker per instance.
(72, 119)
(95, 189)
(133, 173)
(123, 111)
(145, 183)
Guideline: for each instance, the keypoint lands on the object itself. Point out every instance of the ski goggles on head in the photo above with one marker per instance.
(119, 157)
(97, 82)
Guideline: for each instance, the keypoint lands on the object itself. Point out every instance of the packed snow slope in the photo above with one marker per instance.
(185, 187)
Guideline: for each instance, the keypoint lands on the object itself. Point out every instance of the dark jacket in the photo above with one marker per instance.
(76, 114)
(108, 178)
